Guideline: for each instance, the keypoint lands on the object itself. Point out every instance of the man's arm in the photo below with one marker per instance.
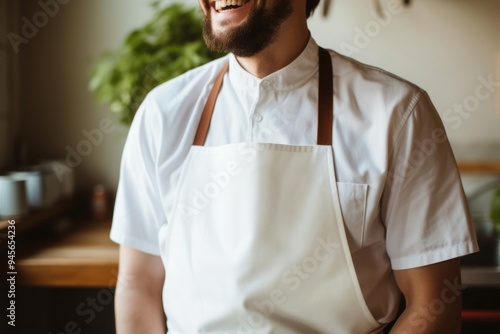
(138, 298)
(433, 299)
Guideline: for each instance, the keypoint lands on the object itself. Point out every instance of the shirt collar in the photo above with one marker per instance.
(294, 75)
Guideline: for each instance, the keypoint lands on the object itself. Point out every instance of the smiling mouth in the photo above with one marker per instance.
(223, 5)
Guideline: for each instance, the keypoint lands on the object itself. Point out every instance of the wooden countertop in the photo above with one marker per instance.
(84, 257)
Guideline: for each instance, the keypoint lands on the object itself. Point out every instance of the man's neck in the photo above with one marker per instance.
(288, 45)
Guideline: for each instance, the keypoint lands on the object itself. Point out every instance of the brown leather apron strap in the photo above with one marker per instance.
(206, 116)
(325, 98)
(325, 102)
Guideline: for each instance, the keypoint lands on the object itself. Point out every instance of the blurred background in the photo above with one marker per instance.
(49, 119)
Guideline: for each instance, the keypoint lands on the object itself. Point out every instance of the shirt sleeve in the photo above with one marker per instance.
(138, 212)
(424, 207)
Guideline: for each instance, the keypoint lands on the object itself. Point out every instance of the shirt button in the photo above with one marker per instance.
(257, 118)
(266, 84)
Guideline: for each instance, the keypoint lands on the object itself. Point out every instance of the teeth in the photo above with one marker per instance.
(221, 4)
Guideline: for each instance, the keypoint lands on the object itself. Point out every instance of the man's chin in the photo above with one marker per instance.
(245, 31)
(223, 32)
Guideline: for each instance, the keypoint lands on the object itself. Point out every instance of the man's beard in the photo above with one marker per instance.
(254, 35)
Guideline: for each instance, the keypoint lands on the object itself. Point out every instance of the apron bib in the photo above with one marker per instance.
(256, 240)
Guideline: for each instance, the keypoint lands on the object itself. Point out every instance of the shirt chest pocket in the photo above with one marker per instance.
(352, 198)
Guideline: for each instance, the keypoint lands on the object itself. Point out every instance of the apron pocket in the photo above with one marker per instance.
(352, 197)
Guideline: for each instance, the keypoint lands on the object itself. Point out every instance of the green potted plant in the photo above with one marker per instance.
(165, 47)
(495, 212)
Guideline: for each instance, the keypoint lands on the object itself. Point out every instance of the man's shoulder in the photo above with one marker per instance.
(375, 93)
(172, 104)
(189, 85)
(374, 79)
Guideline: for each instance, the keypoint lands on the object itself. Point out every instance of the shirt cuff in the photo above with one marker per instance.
(435, 256)
(139, 244)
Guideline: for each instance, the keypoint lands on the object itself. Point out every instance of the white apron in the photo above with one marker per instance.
(256, 241)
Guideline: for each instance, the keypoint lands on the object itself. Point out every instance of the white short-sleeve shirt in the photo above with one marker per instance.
(401, 196)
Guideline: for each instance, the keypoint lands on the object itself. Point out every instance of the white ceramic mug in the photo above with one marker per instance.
(13, 198)
(35, 187)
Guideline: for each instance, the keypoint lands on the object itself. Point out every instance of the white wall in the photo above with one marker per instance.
(442, 45)
(9, 86)
(3, 84)
(56, 63)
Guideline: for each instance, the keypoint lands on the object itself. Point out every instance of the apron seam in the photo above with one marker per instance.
(343, 237)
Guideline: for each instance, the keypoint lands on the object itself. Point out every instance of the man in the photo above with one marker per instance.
(287, 189)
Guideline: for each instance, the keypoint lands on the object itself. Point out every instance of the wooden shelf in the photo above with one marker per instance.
(39, 217)
(480, 276)
(479, 167)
